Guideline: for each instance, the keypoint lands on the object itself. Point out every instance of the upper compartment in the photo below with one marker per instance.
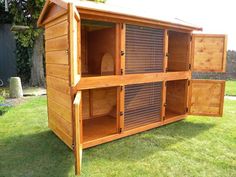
(98, 44)
(178, 51)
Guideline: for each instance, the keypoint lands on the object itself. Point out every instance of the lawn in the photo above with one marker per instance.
(230, 88)
(197, 146)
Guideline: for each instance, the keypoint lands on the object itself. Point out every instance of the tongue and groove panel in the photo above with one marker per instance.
(142, 104)
(144, 49)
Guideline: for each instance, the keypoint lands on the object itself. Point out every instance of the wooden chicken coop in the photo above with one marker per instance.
(111, 74)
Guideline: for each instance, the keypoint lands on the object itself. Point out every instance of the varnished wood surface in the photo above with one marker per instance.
(207, 97)
(119, 80)
(98, 127)
(209, 52)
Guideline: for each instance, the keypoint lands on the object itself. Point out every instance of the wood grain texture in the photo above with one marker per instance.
(57, 20)
(57, 57)
(60, 43)
(119, 80)
(59, 71)
(207, 97)
(176, 96)
(60, 98)
(209, 53)
(98, 127)
(57, 30)
(58, 84)
(61, 123)
(178, 51)
(64, 137)
(61, 110)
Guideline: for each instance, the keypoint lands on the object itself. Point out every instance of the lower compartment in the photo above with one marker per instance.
(99, 113)
(143, 110)
(98, 127)
(176, 98)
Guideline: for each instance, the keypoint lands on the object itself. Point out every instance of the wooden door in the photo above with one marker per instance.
(209, 52)
(206, 97)
(75, 75)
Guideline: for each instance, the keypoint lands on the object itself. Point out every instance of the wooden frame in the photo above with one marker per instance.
(65, 84)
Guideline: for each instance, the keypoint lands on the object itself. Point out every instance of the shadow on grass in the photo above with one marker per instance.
(139, 146)
(43, 154)
(40, 154)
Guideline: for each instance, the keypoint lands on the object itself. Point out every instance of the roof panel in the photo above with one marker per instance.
(112, 9)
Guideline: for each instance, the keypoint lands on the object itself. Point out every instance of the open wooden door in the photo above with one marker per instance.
(209, 52)
(206, 97)
(75, 75)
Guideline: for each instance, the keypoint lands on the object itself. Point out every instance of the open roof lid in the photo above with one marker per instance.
(116, 10)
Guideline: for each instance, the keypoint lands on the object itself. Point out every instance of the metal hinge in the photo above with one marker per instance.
(121, 113)
(122, 53)
(120, 130)
(187, 109)
(73, 146)
(189, 66)
(167, 55)
(165, 104)
(121, 88)
(121, 71)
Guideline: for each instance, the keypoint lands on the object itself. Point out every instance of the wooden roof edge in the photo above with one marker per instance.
(45, 7)
(86, 10)
(64, 4)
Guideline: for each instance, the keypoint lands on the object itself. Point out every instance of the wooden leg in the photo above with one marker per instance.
(78, 133)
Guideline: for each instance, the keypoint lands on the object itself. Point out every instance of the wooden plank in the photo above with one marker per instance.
(61, 110)
(119, 80)
(59, 71)
(60, 98)
(74, 46)
(56, 21)
(104, 100)
(209, 53)
(165, 60)
(65, 138)
(207, 97)
(57, 30)
(122, 45)
(163, 100)
(78, 132)
(64, 125)
(60, 43)
(57, 57)
(58, 84)
(117, 48)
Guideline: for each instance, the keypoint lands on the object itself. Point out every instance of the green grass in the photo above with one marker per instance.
(197, 146)
(230, 88)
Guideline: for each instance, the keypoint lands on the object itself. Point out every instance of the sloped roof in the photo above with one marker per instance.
(122, 11)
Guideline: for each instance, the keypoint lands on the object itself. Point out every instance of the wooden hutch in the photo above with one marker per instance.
(111, 74)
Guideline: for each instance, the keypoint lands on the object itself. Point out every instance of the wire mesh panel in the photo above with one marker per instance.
(144, 49)
(142, 104)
